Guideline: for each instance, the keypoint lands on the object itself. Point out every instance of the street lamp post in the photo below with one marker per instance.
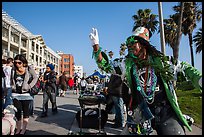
(161, 28)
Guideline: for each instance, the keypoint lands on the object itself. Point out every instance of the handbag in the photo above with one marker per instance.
(36, 88)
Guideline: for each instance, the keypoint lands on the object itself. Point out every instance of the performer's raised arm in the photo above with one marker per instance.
(95, 43)
(100, 57)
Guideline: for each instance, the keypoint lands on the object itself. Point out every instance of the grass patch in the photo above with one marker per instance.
(190, 102)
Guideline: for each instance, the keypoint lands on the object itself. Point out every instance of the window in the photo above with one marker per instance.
(23, 43)
(32, 56)
(45, 54)
(40, 60)
(48, 56)
(5, 51)
(54, 60)
(4, 33)
(36, 59)
(66, 59)
(33, 46)
(51, 58)
(40, 50)
(37, 47)
(66, 66)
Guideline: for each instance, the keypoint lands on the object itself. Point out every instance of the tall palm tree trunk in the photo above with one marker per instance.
(175, 52)
(179, 33)
(178, 39)
(191, 48)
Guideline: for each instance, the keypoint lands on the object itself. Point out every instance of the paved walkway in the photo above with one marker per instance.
(64, 122)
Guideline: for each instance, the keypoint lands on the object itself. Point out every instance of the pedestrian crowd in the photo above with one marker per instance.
(18, 78)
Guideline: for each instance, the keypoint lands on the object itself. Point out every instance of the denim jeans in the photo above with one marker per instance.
(8, 98)
(48, 95)
(119, 110)
(2, 100)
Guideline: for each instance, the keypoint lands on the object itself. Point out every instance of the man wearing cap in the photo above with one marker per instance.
(151, 101)
(49, 90)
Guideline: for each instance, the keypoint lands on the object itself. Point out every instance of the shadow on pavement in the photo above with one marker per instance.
(67, 115)
(38, 132)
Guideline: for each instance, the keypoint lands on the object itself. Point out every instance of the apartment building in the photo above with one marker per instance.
(16, 39)
(66, 63)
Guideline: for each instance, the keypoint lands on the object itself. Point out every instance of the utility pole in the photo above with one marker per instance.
(162, 38)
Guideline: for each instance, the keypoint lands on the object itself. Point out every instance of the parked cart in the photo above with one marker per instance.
(92, 117)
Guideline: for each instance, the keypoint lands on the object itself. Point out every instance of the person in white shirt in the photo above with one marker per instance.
(7, 71)
(83, 84)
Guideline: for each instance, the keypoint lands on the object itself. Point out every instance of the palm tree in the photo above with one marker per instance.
(170, 31)
(197, 39)
(144, 18)
(123, 47)
(191, 15)
(110, 54)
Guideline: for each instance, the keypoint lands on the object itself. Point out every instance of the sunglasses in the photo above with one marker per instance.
(18, 63)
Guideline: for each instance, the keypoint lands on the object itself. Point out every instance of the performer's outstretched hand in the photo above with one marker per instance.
(94, 36)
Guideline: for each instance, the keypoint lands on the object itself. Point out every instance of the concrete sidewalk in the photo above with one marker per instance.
(58, 124)
(65, 121)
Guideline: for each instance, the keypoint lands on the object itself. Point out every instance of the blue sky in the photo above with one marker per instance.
(65, 26)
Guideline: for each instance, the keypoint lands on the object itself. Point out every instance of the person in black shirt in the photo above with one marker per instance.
(50, 90)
